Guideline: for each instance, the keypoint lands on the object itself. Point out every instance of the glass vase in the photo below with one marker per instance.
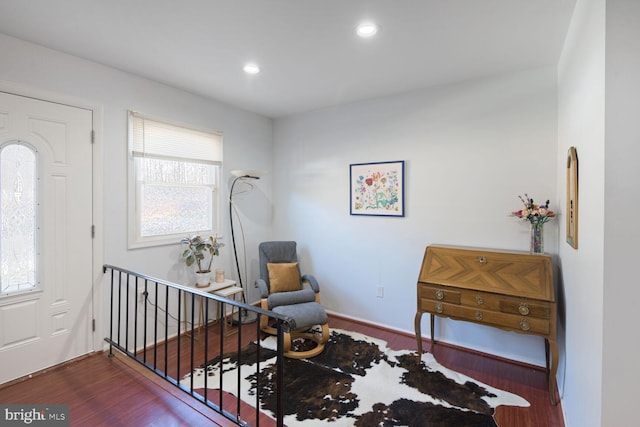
(537, 238)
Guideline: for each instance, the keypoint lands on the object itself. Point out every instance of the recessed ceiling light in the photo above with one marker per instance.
(251, 68)
(367, 29)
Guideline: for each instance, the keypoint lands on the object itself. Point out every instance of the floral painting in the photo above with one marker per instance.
(377, 188)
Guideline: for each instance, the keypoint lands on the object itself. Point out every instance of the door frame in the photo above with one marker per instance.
(97, 289)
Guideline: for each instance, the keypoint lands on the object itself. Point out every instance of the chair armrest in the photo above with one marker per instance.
(291, 298)
(312, 282)
(264, 290)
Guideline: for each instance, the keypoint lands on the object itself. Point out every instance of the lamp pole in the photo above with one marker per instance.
(243, 315)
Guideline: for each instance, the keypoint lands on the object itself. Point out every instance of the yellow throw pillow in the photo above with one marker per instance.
(284, 276)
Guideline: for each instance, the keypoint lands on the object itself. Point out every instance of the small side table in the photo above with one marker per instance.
(213, 287)
(231, 292)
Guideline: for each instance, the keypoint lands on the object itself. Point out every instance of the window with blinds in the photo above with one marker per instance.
(173, 181)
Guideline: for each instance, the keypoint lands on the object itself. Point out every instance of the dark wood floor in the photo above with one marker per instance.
(103, 391)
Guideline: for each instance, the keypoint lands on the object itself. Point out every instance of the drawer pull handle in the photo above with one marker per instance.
(478, 315)
(523, 309)
(482, 259)
(479, 300)
(524, 325)
(439, 294)
(438, 308)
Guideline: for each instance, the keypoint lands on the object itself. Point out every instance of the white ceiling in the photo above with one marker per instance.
(309, 55)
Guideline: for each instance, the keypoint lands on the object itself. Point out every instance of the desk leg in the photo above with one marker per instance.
(417, 326)
(553, 368)
(432, 324)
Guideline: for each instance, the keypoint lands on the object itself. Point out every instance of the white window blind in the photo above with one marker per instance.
(173, 179)
(167, 141)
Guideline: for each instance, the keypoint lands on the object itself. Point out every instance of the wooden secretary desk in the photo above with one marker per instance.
(509, 290)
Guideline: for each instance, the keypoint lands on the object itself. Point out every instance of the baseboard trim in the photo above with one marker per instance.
(440, 343)
(45, 370)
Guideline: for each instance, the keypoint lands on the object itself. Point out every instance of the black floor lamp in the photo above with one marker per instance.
(243, 316)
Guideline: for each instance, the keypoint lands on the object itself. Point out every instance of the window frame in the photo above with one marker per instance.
(135, 239)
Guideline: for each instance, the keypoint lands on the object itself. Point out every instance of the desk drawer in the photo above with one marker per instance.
(486, 300)
(506, 304)
(439, 293)
(525, 307)
(486, 317)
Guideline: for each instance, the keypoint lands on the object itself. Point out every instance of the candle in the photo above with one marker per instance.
(219, 275)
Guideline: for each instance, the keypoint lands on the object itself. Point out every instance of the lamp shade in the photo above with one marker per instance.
(248, 173)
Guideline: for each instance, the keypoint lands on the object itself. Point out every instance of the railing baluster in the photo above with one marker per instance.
(193, 334)
(193, 343)
(111, 316)
(135, 317)
(280, 376)
(155, 331)
(221, 332)
(258, 357)
(206, 351)
(144, 343)
(166, 331)
(178, 347)
(119, 304)
(239, 361)
(126, 313)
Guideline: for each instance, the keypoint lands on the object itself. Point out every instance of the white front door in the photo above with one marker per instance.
(45, 320)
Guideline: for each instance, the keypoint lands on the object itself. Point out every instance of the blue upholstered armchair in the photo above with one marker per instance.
(284, 291)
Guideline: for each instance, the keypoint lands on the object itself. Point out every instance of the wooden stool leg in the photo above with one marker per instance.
(229, 321)
(201, 320)
(222, 318)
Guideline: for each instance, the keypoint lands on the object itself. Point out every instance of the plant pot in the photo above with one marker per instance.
(203, 278)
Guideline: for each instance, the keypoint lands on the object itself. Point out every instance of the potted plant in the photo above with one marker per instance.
(196, 252)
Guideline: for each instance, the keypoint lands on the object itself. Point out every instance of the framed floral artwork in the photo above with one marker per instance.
(572, 198)
(377, 188)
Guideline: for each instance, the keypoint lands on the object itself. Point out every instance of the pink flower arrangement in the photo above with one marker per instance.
(535, 214)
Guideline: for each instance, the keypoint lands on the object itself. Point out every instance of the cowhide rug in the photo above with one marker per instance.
(358, 381)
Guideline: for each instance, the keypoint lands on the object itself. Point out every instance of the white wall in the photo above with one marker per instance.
(581, 124)
(599, 92)
(247, 145)
(621, 347)
(470, 150)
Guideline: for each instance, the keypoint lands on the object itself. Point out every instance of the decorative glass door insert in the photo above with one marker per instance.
(18, 218)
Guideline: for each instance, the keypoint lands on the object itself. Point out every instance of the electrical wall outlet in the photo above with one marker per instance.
(380, 291)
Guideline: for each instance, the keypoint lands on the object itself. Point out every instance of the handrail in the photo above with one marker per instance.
(163, 335)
